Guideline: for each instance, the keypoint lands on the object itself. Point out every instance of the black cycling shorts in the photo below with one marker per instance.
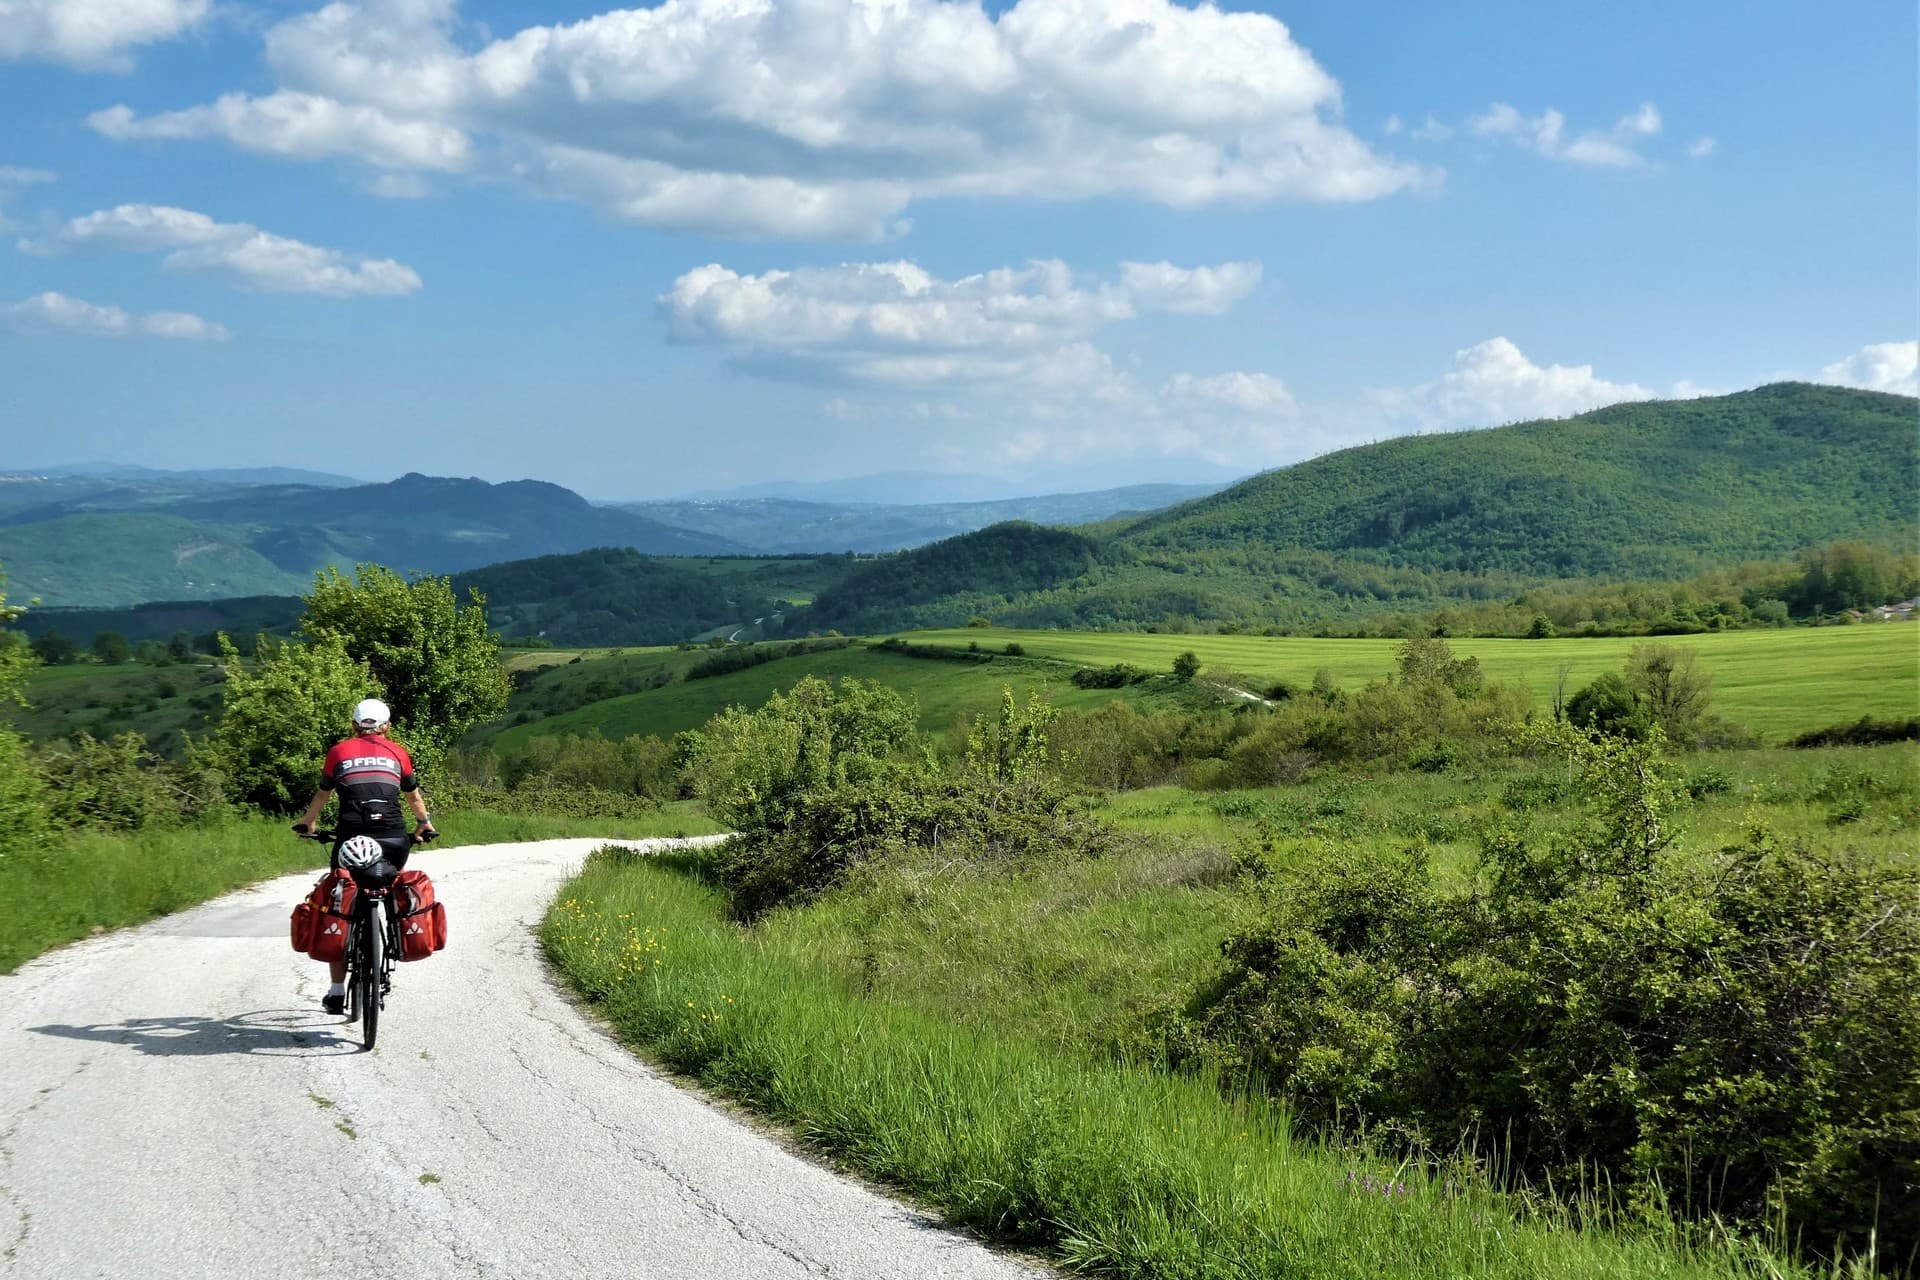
(397, 844)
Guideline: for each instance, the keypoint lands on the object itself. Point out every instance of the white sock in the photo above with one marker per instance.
(337, 989)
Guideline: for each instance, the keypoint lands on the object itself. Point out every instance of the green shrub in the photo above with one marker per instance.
(827, 778)
(1864, 732)
(118, 785)
(1729, 1040)
(1117, 676)
(280, 716)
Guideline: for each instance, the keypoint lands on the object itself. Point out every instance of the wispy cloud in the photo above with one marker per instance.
(236, 252)
(57, 313)
(1547, 134)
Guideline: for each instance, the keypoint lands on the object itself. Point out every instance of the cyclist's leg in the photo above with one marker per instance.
(337, 969)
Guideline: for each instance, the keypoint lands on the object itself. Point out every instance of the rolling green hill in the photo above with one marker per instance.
(121, 559)
(938, 583)
(1777, 683)
(615, 595)
(1653, 489)
(129, 544)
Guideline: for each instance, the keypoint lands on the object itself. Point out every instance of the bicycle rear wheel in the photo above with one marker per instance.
(373, 937)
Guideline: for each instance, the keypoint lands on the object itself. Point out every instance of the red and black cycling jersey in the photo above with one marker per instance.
(369, 773)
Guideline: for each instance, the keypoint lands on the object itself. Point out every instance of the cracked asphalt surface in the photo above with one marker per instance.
(174, 1103)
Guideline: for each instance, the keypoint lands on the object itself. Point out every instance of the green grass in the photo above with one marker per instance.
(944, 690)
(1777, 683)
(1112, 1168)
(71, 886)
(161, 703)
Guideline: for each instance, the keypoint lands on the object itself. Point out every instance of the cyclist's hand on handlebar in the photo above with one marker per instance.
(304, 830)
(425, 832)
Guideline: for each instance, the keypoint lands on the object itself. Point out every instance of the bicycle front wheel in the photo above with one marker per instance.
(373, 939)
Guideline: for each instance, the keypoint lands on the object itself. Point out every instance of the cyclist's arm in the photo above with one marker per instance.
(315, 805)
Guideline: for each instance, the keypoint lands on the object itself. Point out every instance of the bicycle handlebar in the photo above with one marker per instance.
(326, 836)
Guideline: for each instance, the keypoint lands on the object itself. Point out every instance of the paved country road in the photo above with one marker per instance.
(174, 1103)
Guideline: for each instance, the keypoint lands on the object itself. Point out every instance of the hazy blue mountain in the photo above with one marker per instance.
(130, 543)
(785, 526)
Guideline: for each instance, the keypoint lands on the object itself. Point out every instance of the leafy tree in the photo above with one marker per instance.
(54, 649)
(280, 718)
(1430, 661)
(1671, 689)
(1186, 666)
(180, 647)
(1607, 704)
(438, 662)
(22, 811)
(151, 653)
(111, 648)
(1661, 687)
(1541, 628)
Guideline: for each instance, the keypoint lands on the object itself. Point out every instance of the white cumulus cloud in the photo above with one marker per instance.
(1494, 382)
(821, 119)
(57, 313)
(236, 252)
(898, 308)
(1881, 366)
(303, 125)
(92, 34)
(1257, 393)
(1546, 133)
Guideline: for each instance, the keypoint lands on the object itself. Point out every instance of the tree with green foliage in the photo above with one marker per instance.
(1661, 687)
(111, 648)
(22, 811)
(180, 647)
(280, 718)
(437, 661)
(1186, 665)
(54, 649)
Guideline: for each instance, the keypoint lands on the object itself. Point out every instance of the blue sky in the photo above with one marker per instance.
(1074, 242)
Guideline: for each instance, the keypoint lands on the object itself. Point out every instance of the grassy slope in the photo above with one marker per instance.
(159, 702)
(122, 559)
(1115, 1169)
(944, 689)
(1645, 489)
(1777, 683)
(88, 882)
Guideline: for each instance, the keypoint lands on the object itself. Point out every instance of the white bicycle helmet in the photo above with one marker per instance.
(370, 713)
(358, 852)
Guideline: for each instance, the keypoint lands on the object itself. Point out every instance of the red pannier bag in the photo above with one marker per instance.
(423, 918)
(319, 924)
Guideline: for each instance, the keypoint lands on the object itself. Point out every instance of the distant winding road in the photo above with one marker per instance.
(174, 1103)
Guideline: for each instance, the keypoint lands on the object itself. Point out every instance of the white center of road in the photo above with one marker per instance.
(174, 1103)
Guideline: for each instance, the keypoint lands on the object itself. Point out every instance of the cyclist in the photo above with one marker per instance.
(370, 773)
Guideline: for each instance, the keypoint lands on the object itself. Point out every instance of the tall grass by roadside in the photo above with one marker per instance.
(84, 882)
(1113, 1169)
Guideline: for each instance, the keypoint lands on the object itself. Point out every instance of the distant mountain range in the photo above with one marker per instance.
(1653, 490)
(785, 526)
(949, 488)
(128, 543)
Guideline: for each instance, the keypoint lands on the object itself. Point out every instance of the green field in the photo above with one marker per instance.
(160, 702)
(944, 690)
(1777, 683)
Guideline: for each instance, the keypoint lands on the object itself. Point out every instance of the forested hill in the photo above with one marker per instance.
(944, 582)
(269, 539)
(1653, 489)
